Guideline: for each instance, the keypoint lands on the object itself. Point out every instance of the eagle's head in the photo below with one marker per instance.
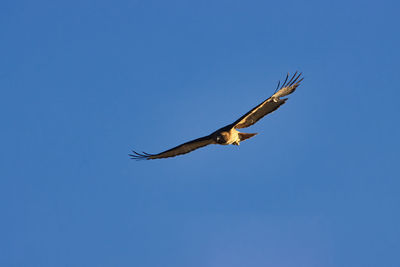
(221, 138)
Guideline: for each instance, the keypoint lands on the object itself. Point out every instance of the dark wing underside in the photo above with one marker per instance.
(270, 104)
(178, 150)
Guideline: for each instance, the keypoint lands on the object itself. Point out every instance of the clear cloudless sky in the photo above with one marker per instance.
(84, 82)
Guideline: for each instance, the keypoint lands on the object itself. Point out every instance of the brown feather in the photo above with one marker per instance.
(178, 150)
(244, 136)
(269, 105)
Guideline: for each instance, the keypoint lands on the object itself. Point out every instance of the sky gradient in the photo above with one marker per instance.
(84, 82)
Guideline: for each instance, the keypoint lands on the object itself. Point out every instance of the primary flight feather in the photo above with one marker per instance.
(228, 135)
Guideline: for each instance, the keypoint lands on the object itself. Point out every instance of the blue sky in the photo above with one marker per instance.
(83, 82)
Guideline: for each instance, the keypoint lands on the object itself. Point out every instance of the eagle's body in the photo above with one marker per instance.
(228, 135)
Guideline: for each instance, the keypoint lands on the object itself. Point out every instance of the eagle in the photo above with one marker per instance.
(229, 135)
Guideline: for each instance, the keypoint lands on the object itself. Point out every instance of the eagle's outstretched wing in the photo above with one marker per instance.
(178, 150)
(270, 104)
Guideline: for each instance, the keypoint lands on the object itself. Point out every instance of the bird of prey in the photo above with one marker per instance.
(229, 135)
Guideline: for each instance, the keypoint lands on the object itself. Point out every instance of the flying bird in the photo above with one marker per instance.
(229, 135)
